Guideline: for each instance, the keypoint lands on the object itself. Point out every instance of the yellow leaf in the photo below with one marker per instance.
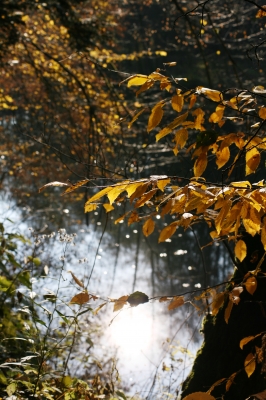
(261, 14)
(146, 86)
(120, 303)
(136, 117)
(161, 183)
(95, 312)
(90, 207)
(247, 340)
(216, 384)
(148, 227)
(78, 282)
(134, 217)
(116, 191)
(230, 380)
(200, 164)
(75, 186)
(222, 157)
(218, 114)
(137, 80)
(176, 302)
(193, 99)
(178, 102)
(251, 227)
(199, 396)
(168, 231)
(176, 122)
(241, 250)
(155, 117)
(217, 303)
(262, 111)
(228, 310)
(252, 160)
(180, 140)
(244, 184)
(98, 195)
(161, 53)
(139, 191)
(108, 207)
(80, 298)
(251, 284)
(132, 187)
(263, 236)
(213, 95)
(250, 364)
(118, 220)
(146, 197)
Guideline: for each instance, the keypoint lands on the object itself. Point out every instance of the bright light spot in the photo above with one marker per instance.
(127, 236)
(99, 256)
(121, 222)
(96, 213)
(105, 272)
(190, 268)
(135, 231)
(163, 254)
(180, 235)
(185, 284)
(117, 245)
(158, 216)
(218, 52)
(132, 332)
(169, 240)
(133, 266)
(99, 223)
(66, 211)
(180, 252)
(198, 285)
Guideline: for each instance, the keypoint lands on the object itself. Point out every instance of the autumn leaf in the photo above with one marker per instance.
(148, 227)
(136, 116)
(80, 298)
(230, 380)
(178, 102)
(108, 207)
(250, 364)
(161, 183)
(75, 186)
(251, 284)
(116, 191)
(180, 140)
(176, 302)
(54, 184)
(222, 157)
(132, 187)
(174, 124)
(200, 164)
(78, 282)
(98, 195)
(95, 312)
(213, 95)
(261, 13)
(246, 340)
(252, 160)
(199, 396)
(145, 198)
(155, 117)
(136, 80)
(137, 298)
(262, 111)
(90, 207)
(228, 310)
(168, 231)
(217, 303)
(119, 303)
(241, 250)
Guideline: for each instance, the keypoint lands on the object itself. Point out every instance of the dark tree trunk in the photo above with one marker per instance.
(220, 355)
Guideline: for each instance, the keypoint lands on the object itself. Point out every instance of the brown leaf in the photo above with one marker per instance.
(251, 284)
(168, 231)
(216, 384)
(250, 364)
(137, 298)
(230, 380)
(228, 310)
(247, 340)
(155, 117)
(80, 298)
(199, 396)
(146, 197)
(78, 282)
(75, 186)
(164, 298)
(176, 302)
(119, 304)
(217, 303)
(261, 13)
(148, 227)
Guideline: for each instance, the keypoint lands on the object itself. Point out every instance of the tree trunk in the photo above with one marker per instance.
(220, 355)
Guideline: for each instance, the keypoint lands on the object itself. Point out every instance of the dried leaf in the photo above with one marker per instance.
(199, 396)
(250, 364)
(95, 312)
(261, 14)
(164, 298)
(137, 298)
(132, 187)
(168, 231)
(251, 284)
(75, 186)
(262, 111)
(176, 302)
(241, 250)
(155, 117)
(230, 380)
(148, 227)
(80, 298)
(78, 282)
(216, 384)
(146, 197)
(228, 310)
(53, 184)
(217, 303)
(134, 217)
(119, 304)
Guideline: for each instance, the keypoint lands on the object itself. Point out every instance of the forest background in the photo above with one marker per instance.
(68, 121)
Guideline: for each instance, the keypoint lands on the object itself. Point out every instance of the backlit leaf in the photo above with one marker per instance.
(199, 396)
(75, 186)
(217, 303)
(218, 114)
(261, 13)
(180, 140)
(53, 184)
(228, 310)
(148, 227)
(167, 232)
(200, 164)
(90, 207)
(213, 95)
(262, 111)
(241, 250)
(95, 312)
(78, 282)
(176, 302)
(137, 80)
(136, 116)
(251, 284)
(119, 304)
(134, 217)
(146, 197)
(98, 195)
(252, 160)
(132, 187)
(116, 191)
(230, 380)
(137, 298)
(250, 364)
(108, 207)
(222, 157)
(80, 298)
(155, 117)
(178, 102)
(161, 183)
(174, 124)
(246, 340)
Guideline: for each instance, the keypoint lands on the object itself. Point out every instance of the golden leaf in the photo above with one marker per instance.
(90, 207)
(119, 304)
(146, 86)
(243, 184)
(241, 250)
(136, 117)
(132, 187)
(75, 186)
(176, 302)
(251, 227)
(134, 217)
(222, 157)
(216, 384)
(146, 197)
(261, 14)
(247, 340)
(155, 117)
(250, 364)
(78, 282)
(137, 80)
(217, 303)
(56, 184)
(199, 396)
(178, 102)
(200, 164)
(176, 122)
(148, 227)
(199, 113)
(80, 298)
(251, 284)
(263, 236)
(161, 183)
(230, 380)
(116, 191)
(228, 310)
(262, 111)
(95, 312)
(139, 191)
(213, 95)
(180, 140)
(220, 219)
(98, 195)
(218, 114)
(168, 231)
(118, 220)
(252, 160)
(108, 207)
(193, 99)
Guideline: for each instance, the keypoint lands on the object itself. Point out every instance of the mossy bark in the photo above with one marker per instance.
(220, 355)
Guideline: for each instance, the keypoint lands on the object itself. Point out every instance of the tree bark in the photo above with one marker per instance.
(220, 355)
